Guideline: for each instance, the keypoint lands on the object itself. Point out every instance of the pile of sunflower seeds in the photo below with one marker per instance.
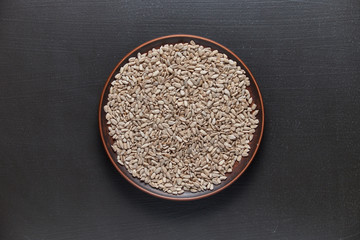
(180, 117)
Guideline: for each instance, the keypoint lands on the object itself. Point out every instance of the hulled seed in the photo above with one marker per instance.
(181, 116)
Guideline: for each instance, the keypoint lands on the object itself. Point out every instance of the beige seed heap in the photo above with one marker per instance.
(180, 116)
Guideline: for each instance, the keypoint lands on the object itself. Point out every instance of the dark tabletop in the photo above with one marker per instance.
(56, 182)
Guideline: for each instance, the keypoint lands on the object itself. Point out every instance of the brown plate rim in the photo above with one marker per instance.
(210, 193)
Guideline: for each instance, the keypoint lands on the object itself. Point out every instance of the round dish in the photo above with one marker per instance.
(238, 168)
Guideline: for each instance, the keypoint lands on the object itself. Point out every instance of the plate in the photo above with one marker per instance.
(238, 168)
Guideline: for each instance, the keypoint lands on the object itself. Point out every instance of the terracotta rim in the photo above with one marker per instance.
(115, 164)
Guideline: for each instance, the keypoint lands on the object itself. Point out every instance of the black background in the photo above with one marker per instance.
(56, 182)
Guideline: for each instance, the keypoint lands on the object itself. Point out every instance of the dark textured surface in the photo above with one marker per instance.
(56, 182)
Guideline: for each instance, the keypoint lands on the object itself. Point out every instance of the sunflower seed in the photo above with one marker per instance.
(180, 117)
